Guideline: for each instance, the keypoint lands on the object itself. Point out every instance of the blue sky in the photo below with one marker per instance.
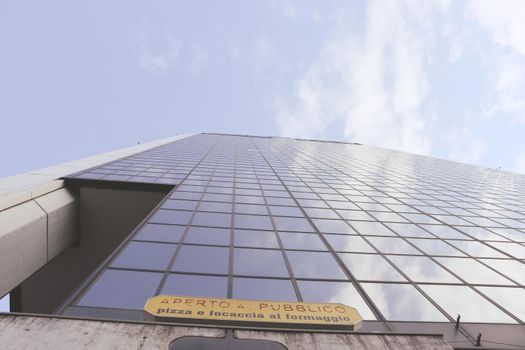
(439, 78)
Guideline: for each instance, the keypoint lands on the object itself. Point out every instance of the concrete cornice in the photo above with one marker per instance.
(26, 186)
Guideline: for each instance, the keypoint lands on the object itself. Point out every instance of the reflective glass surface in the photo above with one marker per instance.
(252, 217)
(145, 255)
(314, 265)
(473, 271)
(196, 285)
(304, 241)
(121, 289)
(460, 300)
(371, 228)
(435, 247)
(191, 259)
(513, 269)
(476, 249)
(161, 233)
(259, 262)
(510, 298)
(335, 292)
(408, 230)
(208, 235)
(392, 245)
(370, 267)
(422, 269)
(402, 302)
(263, 289)
(347, 243)
(255, 239)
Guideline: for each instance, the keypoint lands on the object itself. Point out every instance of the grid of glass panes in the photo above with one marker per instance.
(399, 236)
(167, 164)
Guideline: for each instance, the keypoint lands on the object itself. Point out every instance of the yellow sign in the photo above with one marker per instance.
(251, 313)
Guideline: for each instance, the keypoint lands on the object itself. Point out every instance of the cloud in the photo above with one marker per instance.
(519, 164)
(465, 146)
(508, 87)
(158, 58)
(199, 59)
(286, 8)
(375, 84)
(504, 24)
(503, 20)
(455, 51)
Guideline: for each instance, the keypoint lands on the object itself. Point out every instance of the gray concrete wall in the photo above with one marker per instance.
(106, 217)
(26, 332)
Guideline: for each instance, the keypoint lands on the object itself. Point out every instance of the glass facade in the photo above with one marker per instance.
(399, 236)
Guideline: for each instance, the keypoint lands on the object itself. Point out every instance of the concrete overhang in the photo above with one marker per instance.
(39, 215)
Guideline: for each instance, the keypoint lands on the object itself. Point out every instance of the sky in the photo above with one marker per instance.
(4, 303)
(439, 78)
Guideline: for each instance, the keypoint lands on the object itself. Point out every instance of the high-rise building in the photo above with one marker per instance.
(417, 245)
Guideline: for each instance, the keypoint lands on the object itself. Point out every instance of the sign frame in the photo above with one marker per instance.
(252, 314)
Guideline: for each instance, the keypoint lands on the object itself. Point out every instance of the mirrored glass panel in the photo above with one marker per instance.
(462, 300)
(513, 249)
(422, 269)
(216, 207)
(435, 247)
(145, 255)
(408, 230)
(160, 233)
(473, 272)
(285, 211)
(444, 232)
(174, 217)
(303, 241)
(513, 269)
(402, 302)
(255, 239)
(392, 245)
(292, 224)
(201, 259)
(196, 285)
(208, 235)
(251, 209)
(263, 289)
(314, 265)
(179, 204)
(253, 222)
(259, 262)
(370, 267)
(333, 226)
(509, 298)
(355, 215)
(347, 243)
(371, 228)
(476, 249)
(121, 289)
(481, 233)
(335, 292)
(212, 219)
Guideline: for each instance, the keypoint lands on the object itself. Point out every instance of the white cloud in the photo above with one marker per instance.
(286, 8)
(161, 58)
(505, 25)
(375, 84)
(260, 57)
(263, 54)
(464, 146)
(503, 19)
(509, 87)
(455, 51)
(519, 164)
(199, 60)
